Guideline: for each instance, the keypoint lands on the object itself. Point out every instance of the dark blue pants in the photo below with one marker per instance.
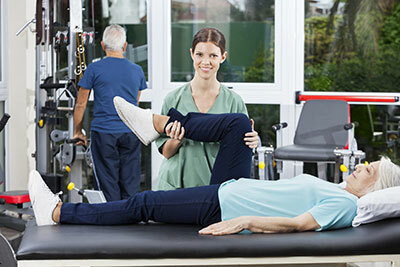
(198, 205)
(116, 164)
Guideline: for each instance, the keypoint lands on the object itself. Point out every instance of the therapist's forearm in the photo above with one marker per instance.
(171, 147)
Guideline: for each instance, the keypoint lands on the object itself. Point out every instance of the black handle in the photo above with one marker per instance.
(75, 140)
(4, 121)
(349, 126)
(52, 85)
(279, 126)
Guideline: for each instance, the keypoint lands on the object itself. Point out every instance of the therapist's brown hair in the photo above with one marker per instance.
(209, 35)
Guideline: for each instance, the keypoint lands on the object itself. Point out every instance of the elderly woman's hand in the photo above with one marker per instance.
(228, 227)
(251, 138)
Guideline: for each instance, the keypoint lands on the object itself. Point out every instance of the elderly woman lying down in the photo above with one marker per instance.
(230, 203)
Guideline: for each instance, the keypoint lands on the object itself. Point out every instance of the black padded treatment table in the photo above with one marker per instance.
(179, 245)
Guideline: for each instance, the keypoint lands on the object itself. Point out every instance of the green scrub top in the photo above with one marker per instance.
(192, 164)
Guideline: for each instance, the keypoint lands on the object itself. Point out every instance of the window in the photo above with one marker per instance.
(132, 15)
(378, 132)
(249, 60)
(354, 46)
(249, 28)
(264, 117)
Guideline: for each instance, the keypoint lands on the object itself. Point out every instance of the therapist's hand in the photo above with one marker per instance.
(228, 227)
(175, 131)
(251, 138)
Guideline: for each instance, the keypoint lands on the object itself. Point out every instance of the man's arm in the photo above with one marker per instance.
(80, 107)
(303, 222)
(138, 97)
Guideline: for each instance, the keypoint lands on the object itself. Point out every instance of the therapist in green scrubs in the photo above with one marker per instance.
(189, 163)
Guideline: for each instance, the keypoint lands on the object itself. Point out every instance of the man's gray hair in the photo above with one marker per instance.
(389, 174)
(114, 37)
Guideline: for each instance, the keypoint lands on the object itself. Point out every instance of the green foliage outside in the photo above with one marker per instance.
(359, 51)
(264, 115)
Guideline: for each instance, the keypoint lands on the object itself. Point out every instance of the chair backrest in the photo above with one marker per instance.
(322, 123)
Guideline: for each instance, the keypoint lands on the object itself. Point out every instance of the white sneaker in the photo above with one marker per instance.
(43, 200)
(139, 120)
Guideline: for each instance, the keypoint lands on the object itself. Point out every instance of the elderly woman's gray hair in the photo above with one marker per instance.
(114, 37)
(389, 174)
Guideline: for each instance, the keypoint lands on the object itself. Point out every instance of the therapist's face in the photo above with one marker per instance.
(363, 179)
(207, 58)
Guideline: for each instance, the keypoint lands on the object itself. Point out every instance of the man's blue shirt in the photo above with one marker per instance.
(108, 78)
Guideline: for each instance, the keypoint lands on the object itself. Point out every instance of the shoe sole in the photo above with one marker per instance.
(122, 117)
(34, 180)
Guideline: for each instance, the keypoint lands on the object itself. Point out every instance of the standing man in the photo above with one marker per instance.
(115, 150)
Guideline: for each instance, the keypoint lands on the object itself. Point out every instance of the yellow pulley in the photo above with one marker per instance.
(70, 186)
(261, 165)
(343, 168)
(68, 168)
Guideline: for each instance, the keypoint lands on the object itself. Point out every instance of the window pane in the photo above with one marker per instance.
(133, 16)
(378, 132)
(129, 14)
(249, 60)
(352, 46)
(264, 117)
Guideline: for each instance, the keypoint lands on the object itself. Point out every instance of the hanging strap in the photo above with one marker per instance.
(80, 61)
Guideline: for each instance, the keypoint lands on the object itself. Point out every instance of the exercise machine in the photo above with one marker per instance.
(56, 151)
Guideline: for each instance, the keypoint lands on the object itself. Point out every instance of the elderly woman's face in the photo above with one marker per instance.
(362, 180)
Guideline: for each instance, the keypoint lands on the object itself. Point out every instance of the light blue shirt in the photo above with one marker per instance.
(331, 206)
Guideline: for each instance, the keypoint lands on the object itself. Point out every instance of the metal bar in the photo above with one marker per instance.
(386, 99)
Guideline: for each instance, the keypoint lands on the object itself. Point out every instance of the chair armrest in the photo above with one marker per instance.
(351, 125)
(279, 126)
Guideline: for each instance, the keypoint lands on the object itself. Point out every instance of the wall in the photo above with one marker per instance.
(20, 65)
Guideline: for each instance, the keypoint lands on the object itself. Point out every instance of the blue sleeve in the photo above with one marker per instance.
(334, 213)
(143, 84)
(87, 80)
